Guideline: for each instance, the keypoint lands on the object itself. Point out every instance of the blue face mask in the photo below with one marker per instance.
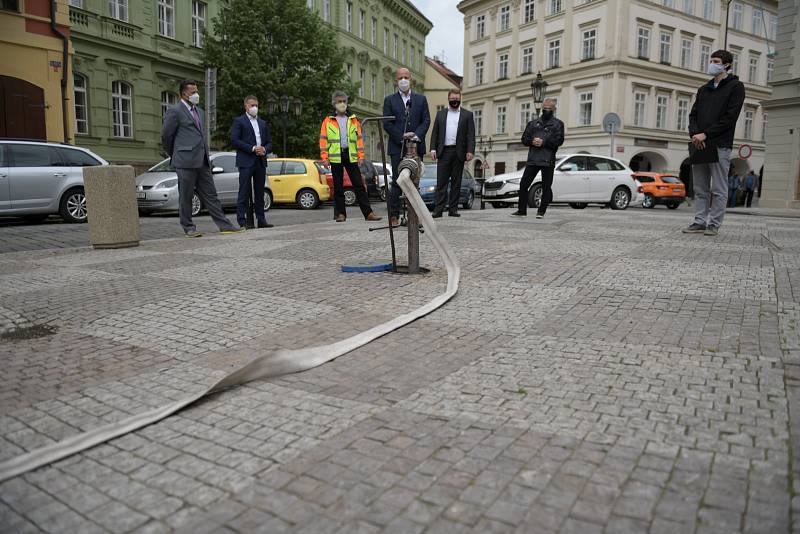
(715, 69)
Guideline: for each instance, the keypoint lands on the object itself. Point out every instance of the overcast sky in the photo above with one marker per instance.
(448, 31)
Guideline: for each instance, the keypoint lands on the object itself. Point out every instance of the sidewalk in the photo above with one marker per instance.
(598, 371)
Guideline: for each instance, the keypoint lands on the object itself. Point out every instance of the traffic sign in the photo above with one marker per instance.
(745, 151)
(611, 123)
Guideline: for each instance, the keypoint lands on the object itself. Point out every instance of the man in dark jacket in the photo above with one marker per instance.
(452, 144)
(250, 137)
(543, 135)
(712, 124)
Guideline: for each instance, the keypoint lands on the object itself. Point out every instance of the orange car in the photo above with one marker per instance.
(661, 188)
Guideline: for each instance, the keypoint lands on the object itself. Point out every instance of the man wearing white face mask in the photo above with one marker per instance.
(712, 124)
(250, 137)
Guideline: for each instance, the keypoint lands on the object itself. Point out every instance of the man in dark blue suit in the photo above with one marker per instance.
(411, 114)
(250, 137)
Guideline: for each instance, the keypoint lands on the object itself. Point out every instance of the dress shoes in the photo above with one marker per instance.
(341, 218)
(373, 217)
(265, 225)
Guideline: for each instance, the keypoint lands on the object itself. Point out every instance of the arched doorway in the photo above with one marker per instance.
(648, 162)
(21, 109)
(477, 169)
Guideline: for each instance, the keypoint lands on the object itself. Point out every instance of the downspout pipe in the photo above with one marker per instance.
(64, 68)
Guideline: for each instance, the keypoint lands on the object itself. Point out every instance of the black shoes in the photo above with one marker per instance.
(436, 215)
(454, 214)
(519, 214)
(266, 225)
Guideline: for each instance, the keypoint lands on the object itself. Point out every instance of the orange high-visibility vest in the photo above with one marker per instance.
(330, 140)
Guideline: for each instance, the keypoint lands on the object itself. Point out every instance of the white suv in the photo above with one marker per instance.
(38, 179)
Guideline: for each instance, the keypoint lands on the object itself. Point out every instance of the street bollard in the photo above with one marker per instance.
(412, 162)
(111, 206)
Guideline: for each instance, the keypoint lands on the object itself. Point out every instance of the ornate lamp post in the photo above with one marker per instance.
(484, 146)
(538, 88)
(285, 109)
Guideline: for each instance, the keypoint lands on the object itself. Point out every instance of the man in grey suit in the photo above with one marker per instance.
(183, 138)
(452, 144)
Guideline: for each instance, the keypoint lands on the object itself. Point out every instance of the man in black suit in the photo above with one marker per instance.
(452, 143)
(411, 114)
(250, 137)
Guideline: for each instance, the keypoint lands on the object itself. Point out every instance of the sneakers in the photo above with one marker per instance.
(232, 231)
(518, 214)
(712, 231)
(193, 233)
(694, 228)
(540, 215)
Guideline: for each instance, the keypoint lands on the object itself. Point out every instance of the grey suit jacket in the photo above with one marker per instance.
(185, 144)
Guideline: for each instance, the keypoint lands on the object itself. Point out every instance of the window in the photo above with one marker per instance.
(387, 88)
(75, 3)
(579, 162)
(121, 116)
(688, 7)
(478, 72)
(374, 39)
(752, 71)
(527, 60)
(708, 9)
(34, 156)
(669, 3)
(554, 54)
(501, 119)
(81, 107)
(505, 18)
(480, 26)
(310, 4)
(665, 49)
(228, 163)
(738, 15)
(763, 126)
(682, 124)
(643, 43)
(326, 10)
(362, 79)
(373, 87)
(413, 56)
(705, 55)
(686, 53)
(639, 102)
(348, 17)
(349, 69)
(386, 41)
(770, 70)
(362, 23)
(594, 163)
(556, 6)
(524, 115)
(168, 99)
(758, 22)
(589, 44)
(773, 27)
(396, 45)
(529, 11)
(166, 18)
(118, 9)
(294, 167)
(502, 66)
(735, 64)
(198, 22)
(662, 103)
(403, 50)
(72, 157)
(477, 115)
(748, 124)
(9, 5)
(585, 100)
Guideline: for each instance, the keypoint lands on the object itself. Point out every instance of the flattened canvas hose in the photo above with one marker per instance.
(269, 365)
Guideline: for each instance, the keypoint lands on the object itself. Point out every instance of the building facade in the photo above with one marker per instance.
(35, 54)
(781, 180)
(439, 81)
(378, 37)
(130, 56)
(643, 60)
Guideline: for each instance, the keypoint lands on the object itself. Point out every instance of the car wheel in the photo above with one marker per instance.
(307, 199)
(648, 201)
(673, 205)
(349, 197)
(470, 201)
(578, 205)
(267, 199)
(73, 206)
(197, 205)
(620, 199)
(383, 194)
(535, 196)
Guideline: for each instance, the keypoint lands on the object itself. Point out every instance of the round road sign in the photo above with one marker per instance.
(611, 123)
(745, 151)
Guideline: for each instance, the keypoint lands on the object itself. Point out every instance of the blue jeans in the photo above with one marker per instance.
(732, 198)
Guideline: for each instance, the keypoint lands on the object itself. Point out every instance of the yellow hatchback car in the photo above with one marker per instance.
(297, 181)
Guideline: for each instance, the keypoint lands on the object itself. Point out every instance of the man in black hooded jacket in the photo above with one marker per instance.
(712, 125)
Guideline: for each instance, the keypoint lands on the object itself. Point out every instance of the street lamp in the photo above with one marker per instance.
(484, 146)
(727, 12)
(285, 110)
(538, 87)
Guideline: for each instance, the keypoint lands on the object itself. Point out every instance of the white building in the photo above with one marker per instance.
(640, 59)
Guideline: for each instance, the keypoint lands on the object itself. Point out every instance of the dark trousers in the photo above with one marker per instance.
(547, 187)
(200, 181)
(257, 176)
(748, 197)
(337, 170)
(394, 190)
(448, 171)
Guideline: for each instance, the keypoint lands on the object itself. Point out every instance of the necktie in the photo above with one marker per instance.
(196, 118)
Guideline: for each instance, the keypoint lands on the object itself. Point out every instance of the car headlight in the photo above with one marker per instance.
(430, 189)
(166, 184)
(514, 180)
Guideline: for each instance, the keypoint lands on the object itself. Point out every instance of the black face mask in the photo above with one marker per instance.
(547, 114)
(455, 103)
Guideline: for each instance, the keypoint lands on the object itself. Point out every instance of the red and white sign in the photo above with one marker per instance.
(745, 151)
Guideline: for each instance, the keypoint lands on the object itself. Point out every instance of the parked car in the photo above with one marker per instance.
(578, 179)
(661, 188)
(38, 179)
(157, 189)
(298, 181)
(427, 187)
(369, 177)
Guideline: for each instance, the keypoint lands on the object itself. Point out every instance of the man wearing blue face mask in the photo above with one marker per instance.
(712, 124)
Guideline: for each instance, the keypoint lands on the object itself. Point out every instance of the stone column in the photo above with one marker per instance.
(111, 205)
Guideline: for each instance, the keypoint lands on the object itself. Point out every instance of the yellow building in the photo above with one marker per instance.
(35, 73)
(439, 80)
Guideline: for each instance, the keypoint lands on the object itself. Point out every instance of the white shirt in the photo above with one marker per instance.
(256, 129)
(405, 97)
(451, 131)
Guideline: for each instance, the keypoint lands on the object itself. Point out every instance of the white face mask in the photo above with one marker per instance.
(194, 99)
(341, 107)
(253, 111)
(404, 84)
(715, 69)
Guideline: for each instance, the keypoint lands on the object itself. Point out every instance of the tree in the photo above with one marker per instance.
(280, 47)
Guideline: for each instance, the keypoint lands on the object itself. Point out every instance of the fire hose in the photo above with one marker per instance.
(270, 365)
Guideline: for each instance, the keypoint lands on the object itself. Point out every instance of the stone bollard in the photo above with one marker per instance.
(111, 206)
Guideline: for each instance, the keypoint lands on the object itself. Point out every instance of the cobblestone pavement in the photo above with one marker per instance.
(598, 372)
